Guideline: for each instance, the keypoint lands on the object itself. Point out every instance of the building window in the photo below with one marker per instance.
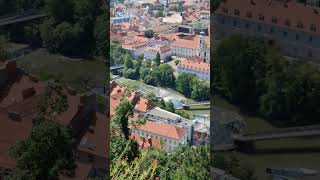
(236, 12)
(259, 28)
(223, 21)
(309, 53)
(234, 23)
(284, 33)
(287, 22)
(225, 10)
(274, 20)
(90, 158)
(297, 36)
(313, 27)
(271, 30)
(261, 17)
(249, 14)
(300, 25)
(310, 38)
(247, 25)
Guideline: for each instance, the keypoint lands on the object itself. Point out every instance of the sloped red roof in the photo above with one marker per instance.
(96, 136)
(195, 65)
(144, 142)
(163, 129)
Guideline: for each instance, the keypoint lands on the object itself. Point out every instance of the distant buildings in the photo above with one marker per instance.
(151, 52)
(200, 70)
(291, 26)
(120, 19)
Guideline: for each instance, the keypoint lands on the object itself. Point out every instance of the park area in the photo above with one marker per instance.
(81, 74)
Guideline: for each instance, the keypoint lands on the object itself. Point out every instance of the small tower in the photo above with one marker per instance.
(201, 39)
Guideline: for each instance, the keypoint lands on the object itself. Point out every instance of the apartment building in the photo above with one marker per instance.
(278, 21)
(192, 45)
(159, 134)
(198, 69)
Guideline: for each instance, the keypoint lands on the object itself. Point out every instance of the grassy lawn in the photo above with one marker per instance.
(70, 70)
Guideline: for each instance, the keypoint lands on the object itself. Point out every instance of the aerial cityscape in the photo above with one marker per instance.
(160, 89)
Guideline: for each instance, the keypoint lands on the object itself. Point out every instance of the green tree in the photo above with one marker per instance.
(4, 55)
(162, 104)
(120, 120)
(170, 107)
(53, 102)
(183, 114)
(239, 68)
(61, 10)
(148, 33)
(32, 157)
(130, 73)
(128, 61)
(159, 14)
(184, 84)
(152, 97)
(157, 60)
(101, 35)
(164, 75)
(200, 91)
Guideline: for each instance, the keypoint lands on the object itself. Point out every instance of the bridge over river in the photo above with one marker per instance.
(19, 18)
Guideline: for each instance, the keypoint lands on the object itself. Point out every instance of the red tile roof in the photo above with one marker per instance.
(145, 142)
(265, 10)
(12, 131)
(23, 87)
(163, 129)
(96, 136)
(73, 107)
(116, 95)
(195, 65)
(143, 105)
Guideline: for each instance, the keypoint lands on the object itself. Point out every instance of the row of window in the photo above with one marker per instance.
(274, 19)
(271, 30)
(146, 134)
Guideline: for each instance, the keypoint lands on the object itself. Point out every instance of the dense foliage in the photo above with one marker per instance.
(31, 155)
(257, 78)
(73, 27)
(232, 166)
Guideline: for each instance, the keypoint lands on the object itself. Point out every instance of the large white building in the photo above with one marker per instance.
(200, 70)
(194, 46)
(159, 134)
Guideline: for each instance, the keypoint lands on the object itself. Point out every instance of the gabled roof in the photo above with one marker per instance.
(163, 129)
(195, 65)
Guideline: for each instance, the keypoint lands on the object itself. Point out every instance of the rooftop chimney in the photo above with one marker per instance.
(29, 92)
(15, 116)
